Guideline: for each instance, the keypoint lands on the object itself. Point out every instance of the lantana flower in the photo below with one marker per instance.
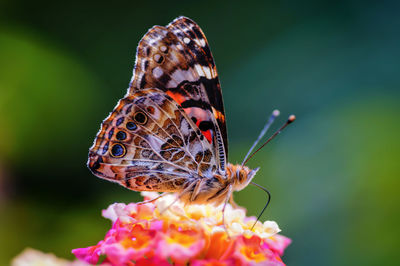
(33, 257)
(159, 233)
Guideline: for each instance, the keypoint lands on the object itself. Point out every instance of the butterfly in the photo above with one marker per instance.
(168, 133)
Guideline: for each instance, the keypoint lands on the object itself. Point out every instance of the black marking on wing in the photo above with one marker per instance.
(206, 125)
(196, 103)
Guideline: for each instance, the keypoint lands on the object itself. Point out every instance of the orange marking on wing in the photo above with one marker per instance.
(179, 98)
(218, 115)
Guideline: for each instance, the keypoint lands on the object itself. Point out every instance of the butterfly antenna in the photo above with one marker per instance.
(289, 121)
(269, 199)
(271, 119)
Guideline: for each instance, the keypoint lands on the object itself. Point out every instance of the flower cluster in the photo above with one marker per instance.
(32, 257)
(163, 234)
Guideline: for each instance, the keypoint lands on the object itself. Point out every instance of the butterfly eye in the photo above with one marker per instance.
(241, 176)
(121, 135)
(140, 118)
(131, 126)
(118, 150)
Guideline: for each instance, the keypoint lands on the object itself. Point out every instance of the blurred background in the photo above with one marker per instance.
(333, 174)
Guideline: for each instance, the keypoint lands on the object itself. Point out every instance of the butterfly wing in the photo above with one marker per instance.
(177, 60)
(148, 143)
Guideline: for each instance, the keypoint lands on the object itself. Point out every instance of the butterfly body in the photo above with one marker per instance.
(168, 134)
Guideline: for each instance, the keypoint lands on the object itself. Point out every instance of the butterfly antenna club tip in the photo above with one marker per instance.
(276, 112)
(291, 119)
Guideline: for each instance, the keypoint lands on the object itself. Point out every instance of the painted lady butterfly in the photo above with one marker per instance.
(168, 134)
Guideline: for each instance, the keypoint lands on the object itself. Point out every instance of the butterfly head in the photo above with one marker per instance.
(241, 175)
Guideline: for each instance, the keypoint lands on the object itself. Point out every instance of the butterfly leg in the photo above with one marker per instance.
(229, 194)
(186, 190)
(233, 203)
(197, 189)
(152, 200)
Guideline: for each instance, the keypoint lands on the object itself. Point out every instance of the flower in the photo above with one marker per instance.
(166, 232)
(31, 257)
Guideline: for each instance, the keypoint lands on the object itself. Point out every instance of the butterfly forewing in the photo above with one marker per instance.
(177, 60)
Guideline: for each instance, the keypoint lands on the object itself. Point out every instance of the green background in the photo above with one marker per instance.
(333, 174)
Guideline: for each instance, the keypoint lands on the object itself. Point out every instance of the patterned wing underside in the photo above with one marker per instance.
(177, 60)
(159, 149)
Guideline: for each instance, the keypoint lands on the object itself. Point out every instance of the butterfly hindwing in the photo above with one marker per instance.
(149, 143)
(177, 60)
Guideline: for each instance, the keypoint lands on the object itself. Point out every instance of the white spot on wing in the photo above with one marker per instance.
(186, 40)
(207, 71)
(143, 65)
(157, 72)
(163, 48)
(185, 129)
(172, 84)
(203, 71)
(195, 147)
(180, 75)
(199, 70)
